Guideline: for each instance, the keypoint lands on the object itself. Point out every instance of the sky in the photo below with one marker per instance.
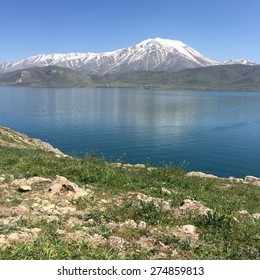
(218, 29)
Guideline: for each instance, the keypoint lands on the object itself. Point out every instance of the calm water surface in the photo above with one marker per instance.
(216, 132)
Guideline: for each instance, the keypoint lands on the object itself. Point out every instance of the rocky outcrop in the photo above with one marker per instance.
(252, 180)
(60, 186)
(16, 139)
(192, 206)
(186, 232)
(58, 201)
(201, 175)
(245, 213)
(247, 180)
(19, 236)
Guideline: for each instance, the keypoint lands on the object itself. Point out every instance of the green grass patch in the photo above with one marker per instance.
(220, 236)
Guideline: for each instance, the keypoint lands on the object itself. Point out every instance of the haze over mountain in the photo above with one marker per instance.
(149, 55)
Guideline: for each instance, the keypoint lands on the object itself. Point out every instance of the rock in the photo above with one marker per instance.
(61, 184)
(165, 191)
(117, 242)
(52, 218)
(65, 210)
(243, 212)
(50, 209)
(256, 216)
(2, 179)
(138, 165)
(61, 232)
(251, 179)
(72, 221)
(78, 234)
(22, 208)
(112, 226)
(186, 232)
(35, 206)
(142, 225)
(25, 188)
(130, 224)
(126, 165)
(33, 181)
(91, 222)
(147, 243)
(35, 230)
(95, 239)
(45, 202)
(19, 182)
(201, 175)
(118, 164)
(3, 240)
(151, 168)
(194, 206)
(237, 180)
(18, 236)
(8, 220)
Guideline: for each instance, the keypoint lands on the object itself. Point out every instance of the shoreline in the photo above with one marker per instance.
(20, 140)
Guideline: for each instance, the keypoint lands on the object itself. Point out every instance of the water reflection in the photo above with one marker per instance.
(214, 131)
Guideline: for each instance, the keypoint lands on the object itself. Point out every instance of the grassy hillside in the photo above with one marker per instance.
(223, 77)
(50, 76)
(104, 210)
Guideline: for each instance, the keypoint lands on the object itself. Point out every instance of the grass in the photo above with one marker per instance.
(220, 235)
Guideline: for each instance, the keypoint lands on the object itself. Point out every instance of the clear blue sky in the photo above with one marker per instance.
(219, 29)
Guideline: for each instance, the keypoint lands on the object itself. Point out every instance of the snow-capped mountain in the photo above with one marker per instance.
(150, 55)
(239, 61)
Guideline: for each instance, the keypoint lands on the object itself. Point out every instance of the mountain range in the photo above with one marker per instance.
(152, 63)
(149, 55)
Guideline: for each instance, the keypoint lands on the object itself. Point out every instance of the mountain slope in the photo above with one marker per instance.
(150, 55)
(220, 77)
(50, 76)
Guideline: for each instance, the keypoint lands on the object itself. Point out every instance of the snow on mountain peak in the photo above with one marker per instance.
(149, 55)
(240, 61)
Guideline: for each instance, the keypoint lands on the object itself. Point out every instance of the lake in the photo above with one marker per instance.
(213, 132)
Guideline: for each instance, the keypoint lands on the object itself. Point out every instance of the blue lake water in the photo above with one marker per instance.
(216, 132)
